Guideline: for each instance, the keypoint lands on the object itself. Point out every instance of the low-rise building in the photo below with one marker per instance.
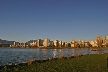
(93, 43)
(33, 44)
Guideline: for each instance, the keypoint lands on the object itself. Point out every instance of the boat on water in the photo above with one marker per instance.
(93, 49)
(96, 49)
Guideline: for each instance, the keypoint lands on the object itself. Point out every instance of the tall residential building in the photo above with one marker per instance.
(22, 45)
(55, 43)
(51, 43)
(60, 43)
(66, 44)
(39, 42)
(79, 42)
(106, 39)
(87, 44)
(46, 42)
(99, 41)
(82, 43)
(73, 43)
(63, 44)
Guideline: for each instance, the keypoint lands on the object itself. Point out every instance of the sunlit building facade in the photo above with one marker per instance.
(46, 42)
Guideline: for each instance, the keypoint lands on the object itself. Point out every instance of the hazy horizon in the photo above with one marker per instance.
(23, 20)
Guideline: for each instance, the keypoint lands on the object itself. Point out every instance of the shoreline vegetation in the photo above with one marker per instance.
(77, 63)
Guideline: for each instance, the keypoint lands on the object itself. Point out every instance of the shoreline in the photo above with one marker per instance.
(55, 47)
(41, 61)
(83, 61)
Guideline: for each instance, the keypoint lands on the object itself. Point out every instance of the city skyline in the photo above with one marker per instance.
(54, 19)
(98, 42)
(42, 39)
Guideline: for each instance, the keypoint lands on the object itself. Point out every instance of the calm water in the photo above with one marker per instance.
(18, 55)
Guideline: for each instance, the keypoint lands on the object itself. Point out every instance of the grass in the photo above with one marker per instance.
(86, 63)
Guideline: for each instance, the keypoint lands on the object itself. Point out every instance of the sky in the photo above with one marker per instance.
(24, 20)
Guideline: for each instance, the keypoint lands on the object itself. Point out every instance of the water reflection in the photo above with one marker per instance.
(44, 54)
(37, 54)
(54, 53)
(9, 55)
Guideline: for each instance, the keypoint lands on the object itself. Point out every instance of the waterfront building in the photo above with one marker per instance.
(22, 45)
(56, 43)
(39, 42)
(60, 43)
(99, 41)
(51, 43)
(33, 44)
(66, 44)
(69, 44)
(106, 37)
(63, 44)
(86, 44)
(46, 42)
(73, 43)
(26, 45)
(106, 41)
(6, 42)
(76, 45)
(93, 43)
(79, 43)
(82, 43)
(15, 44)
(42, 41)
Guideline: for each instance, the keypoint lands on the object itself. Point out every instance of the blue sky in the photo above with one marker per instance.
(23, 20)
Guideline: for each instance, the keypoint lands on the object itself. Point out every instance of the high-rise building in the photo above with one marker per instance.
(73, 43)
(87, 44)
(106, 41)
(55, 43)
(99, 41)
(51, 43)
(46, 42)
(66, 44)
(82, 43)
(63, 44)
(39, 42)
(60, 43)
(106, 37)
